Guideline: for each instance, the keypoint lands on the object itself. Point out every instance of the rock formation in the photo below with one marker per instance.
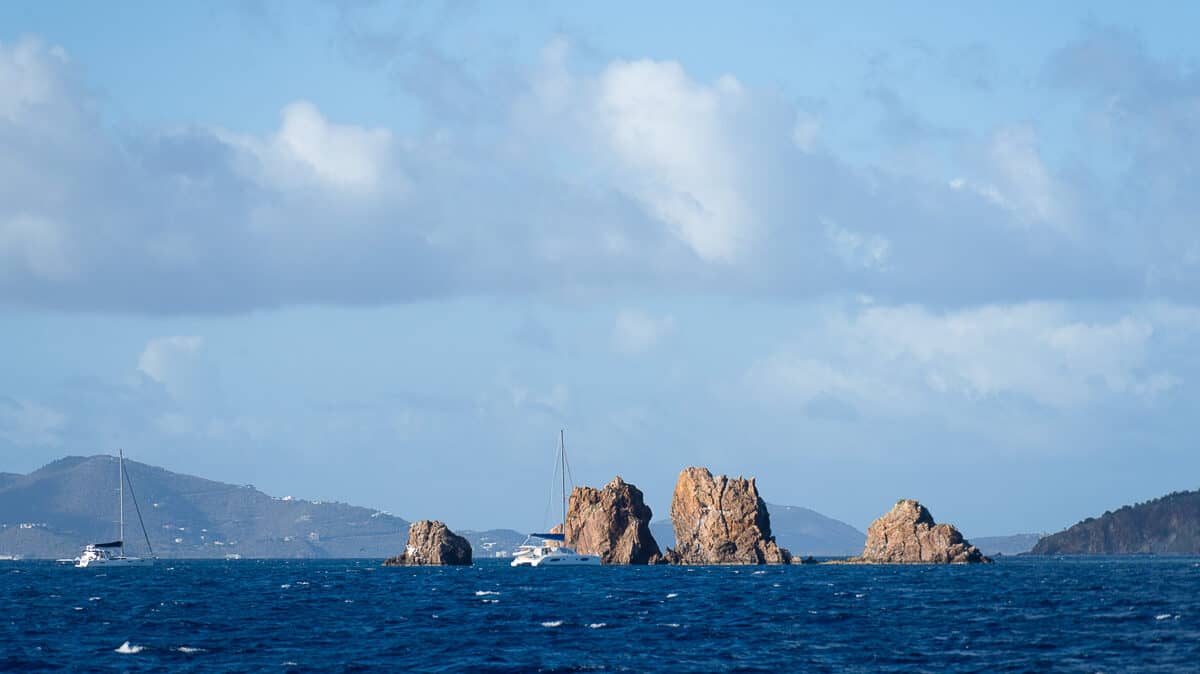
(908, 535)
(721, 521)
(612, 523)
(431, 543)
(1165, 526)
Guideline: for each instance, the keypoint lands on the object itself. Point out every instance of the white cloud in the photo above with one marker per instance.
(867, 251)
(29, 77)
(170, 361)
(38, 244)
(28, 424)
(1013, 175)
(636, 174)
(637, 332)
(309, 148)
(673, 135)
(901, 358)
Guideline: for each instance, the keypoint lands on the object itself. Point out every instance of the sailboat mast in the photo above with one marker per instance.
(121, 496)
(562, 460)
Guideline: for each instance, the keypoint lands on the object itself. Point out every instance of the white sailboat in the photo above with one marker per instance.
(113, 553)
(551, 549)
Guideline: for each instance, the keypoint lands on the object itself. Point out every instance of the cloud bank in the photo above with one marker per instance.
(633, 174)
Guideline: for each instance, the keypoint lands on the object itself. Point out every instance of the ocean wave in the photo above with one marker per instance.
(129, 649)
(552, 623)
(597, 626)
(189, 650)
(484, 593)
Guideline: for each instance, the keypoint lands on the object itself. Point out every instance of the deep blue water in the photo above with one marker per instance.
(1124, 614)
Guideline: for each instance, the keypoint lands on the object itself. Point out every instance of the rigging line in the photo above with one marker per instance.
(139, 513)
(567, 464)
(550, 494)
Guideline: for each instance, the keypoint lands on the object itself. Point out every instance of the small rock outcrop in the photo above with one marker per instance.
(908, 535)
(612, 523)
(431, 543)
(721, 520)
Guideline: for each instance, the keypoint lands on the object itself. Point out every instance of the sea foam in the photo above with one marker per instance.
(130, 649)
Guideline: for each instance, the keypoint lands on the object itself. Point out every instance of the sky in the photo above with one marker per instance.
(381, 253)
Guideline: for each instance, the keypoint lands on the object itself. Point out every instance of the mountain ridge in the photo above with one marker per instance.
(54, 510)
(1169, 525)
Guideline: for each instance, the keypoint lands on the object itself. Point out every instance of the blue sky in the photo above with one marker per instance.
(381, 253)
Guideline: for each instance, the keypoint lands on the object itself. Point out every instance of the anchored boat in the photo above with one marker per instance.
(551, 549)
(113, 553)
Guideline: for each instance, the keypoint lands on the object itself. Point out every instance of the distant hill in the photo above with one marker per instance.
(1169, 525)
(801, 530)
(1015, 544)
(55, 510)
(493, 542)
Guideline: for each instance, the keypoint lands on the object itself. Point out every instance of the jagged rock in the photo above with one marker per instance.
(721, 521)
(431, 543)
(908, 535)
(612, 523)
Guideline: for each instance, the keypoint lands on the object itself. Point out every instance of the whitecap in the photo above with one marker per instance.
(1162, 616)
(78, 608)
(597, 626)
(347, 601)
(552, 623)
(672, 595)
(484, 593)
(130, 649)
(93, 598)
(670, 624)
(774, 584)
(189, 650)
(759, 573)
(859, 596)
(285, 586)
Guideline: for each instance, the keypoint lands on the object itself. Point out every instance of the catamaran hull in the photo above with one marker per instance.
(558, 560)
(109, 563)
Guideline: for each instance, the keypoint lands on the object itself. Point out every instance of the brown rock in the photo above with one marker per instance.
(612, 523)
(721, 521)
(431, 543)
(908, 535)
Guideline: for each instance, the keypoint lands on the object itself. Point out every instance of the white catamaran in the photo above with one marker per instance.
(552, 549)
(113, 553)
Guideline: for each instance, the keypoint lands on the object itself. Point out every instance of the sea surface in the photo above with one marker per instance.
(1088, 614)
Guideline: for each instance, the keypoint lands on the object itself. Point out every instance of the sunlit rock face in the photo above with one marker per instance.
(721, 520)
(431, 543)
(908, 535)
(612, 523)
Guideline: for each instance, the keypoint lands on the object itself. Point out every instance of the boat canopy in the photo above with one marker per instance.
(550, 537)
(114, 544)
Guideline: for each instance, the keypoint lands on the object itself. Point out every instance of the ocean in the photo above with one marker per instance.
(1086, 614)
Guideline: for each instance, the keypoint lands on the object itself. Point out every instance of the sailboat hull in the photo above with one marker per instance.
(113, 562)
(558, 560)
